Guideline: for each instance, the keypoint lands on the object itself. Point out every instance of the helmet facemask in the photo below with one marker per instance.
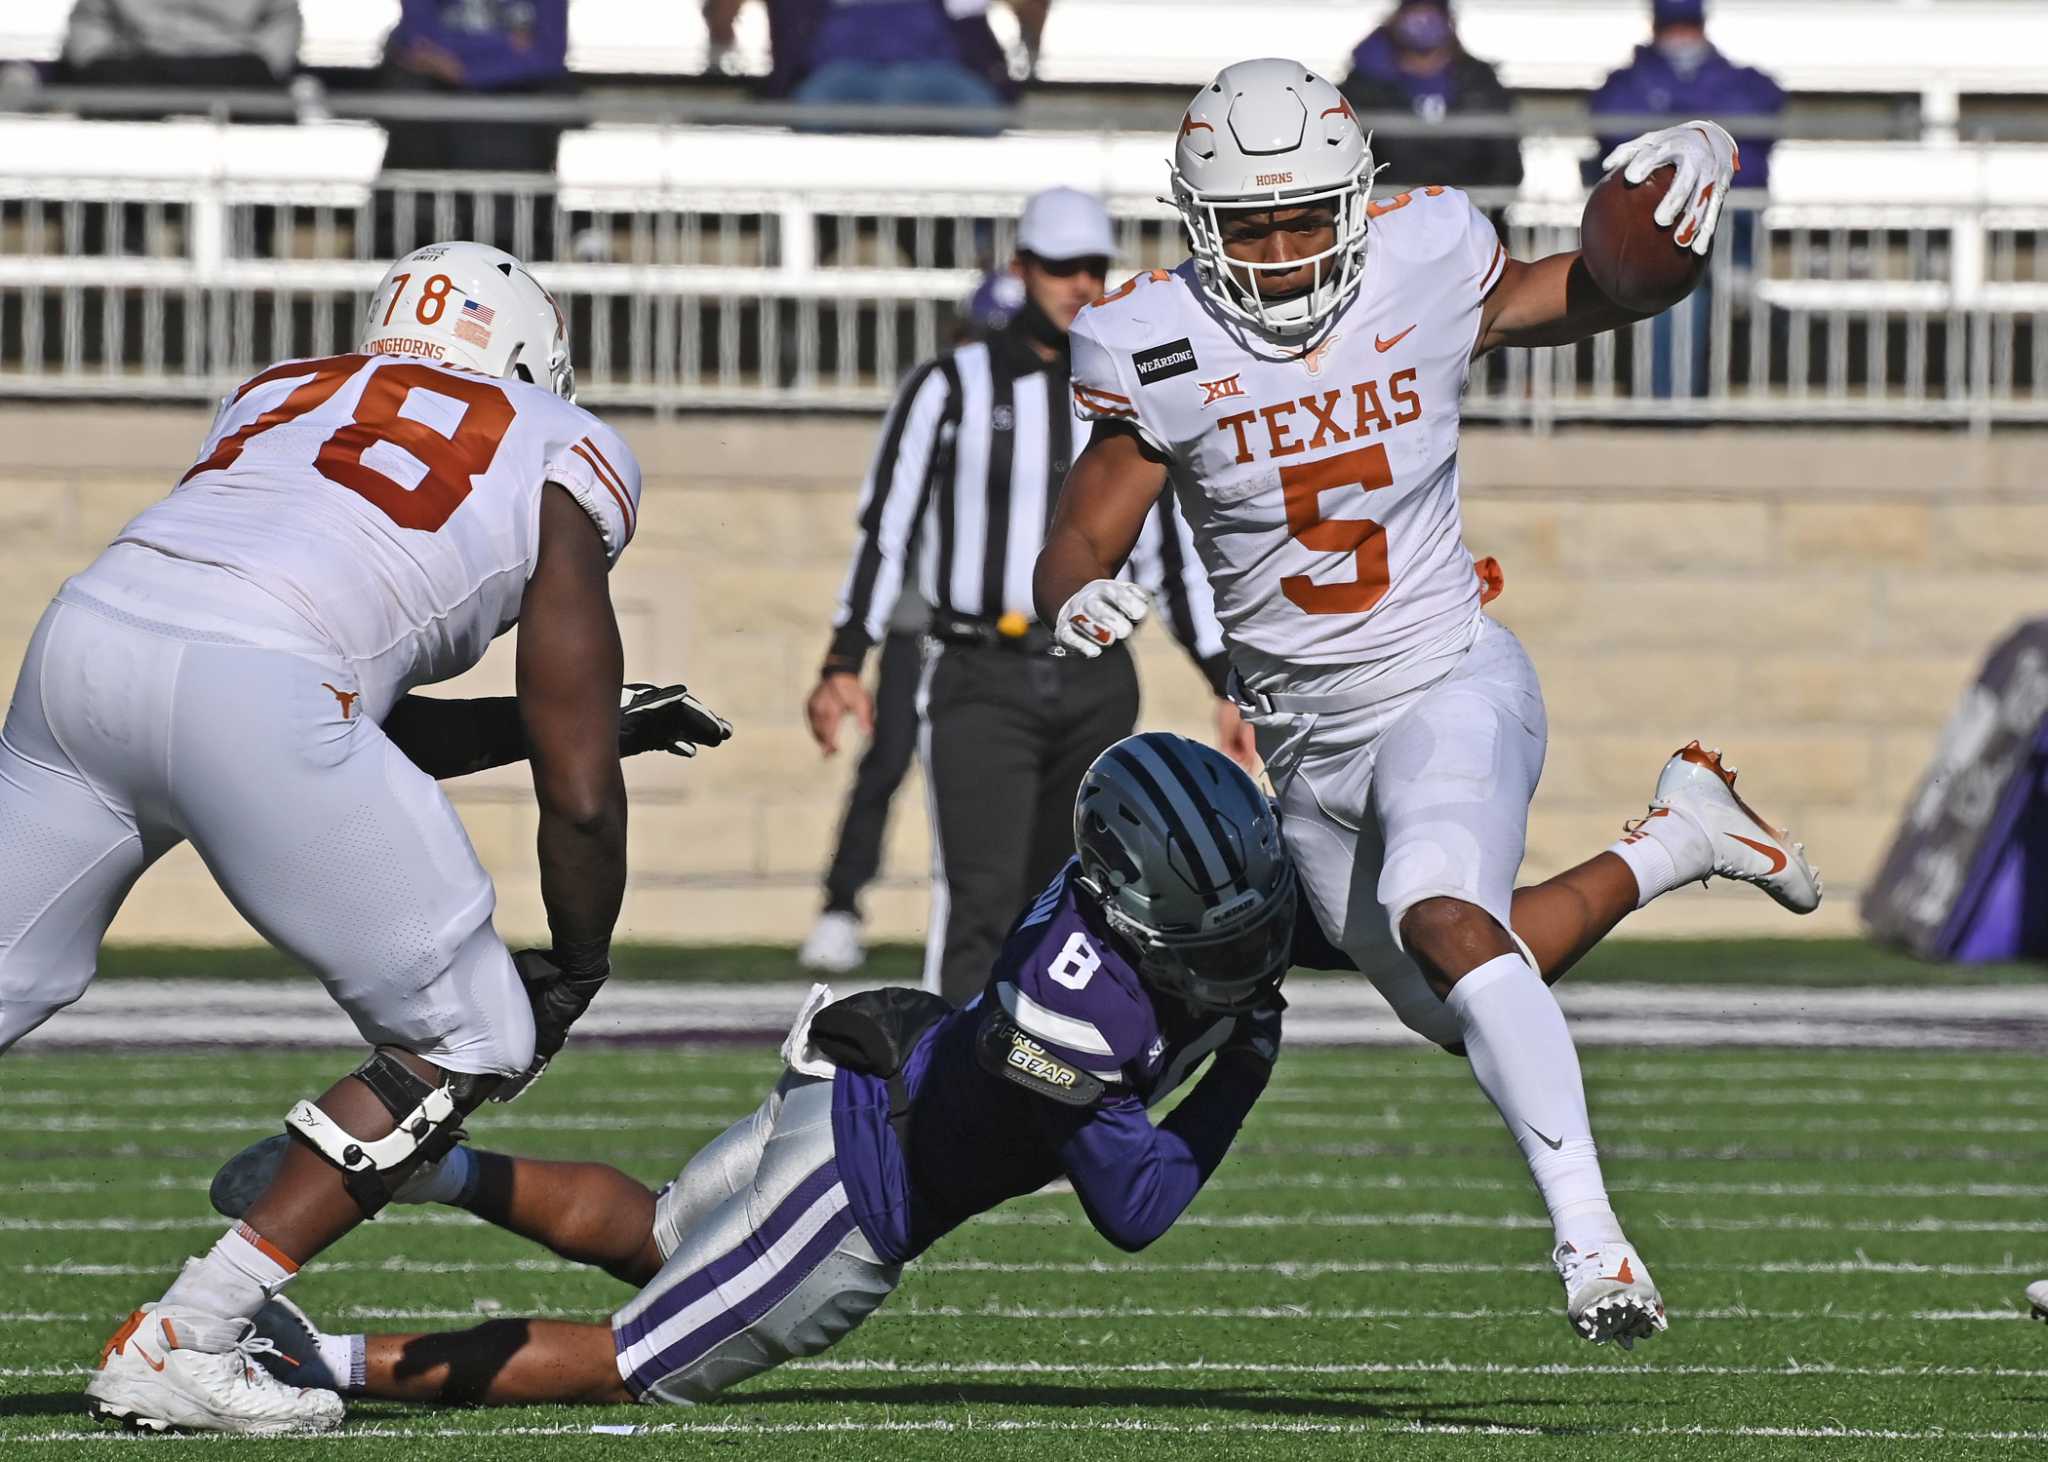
(1338, 270)
(1230, 967)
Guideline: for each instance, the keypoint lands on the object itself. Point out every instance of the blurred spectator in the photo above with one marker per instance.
(994, 303)
(1415, 63)
(1680, 75)
(884, 52)
(478, 47)
(217, 44)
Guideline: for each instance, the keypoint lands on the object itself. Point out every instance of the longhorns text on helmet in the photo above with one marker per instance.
(470, 305)
(1272, 134)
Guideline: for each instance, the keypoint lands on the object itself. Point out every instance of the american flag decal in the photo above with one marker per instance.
(482, 314)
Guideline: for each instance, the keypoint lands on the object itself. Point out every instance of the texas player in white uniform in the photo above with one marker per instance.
(1297, 384)
(233, 671)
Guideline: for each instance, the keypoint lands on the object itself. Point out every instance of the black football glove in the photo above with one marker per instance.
(559, 1000)
(1257, 1036)
(667, 718)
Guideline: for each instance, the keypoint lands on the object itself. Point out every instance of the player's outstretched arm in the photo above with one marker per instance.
(1551, 301)
(1555, 301)
(456, 738)
(1109, 491)
(1135, 1180)
(570, 671)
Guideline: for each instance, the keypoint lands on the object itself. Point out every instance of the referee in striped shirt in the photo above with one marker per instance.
(972, 456)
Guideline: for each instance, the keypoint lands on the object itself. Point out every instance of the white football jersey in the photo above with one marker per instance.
(1321, 482)
(393, 505)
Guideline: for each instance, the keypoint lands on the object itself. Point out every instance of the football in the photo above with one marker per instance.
(1636, 263)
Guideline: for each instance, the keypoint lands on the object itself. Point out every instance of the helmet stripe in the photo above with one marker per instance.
(1205, 805)
(1181, 815)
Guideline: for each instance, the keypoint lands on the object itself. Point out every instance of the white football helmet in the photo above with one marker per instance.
(473, 306)
(1272, 134)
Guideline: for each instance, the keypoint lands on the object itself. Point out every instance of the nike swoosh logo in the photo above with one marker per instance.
(1553, 1143)
(1777, 858)
(1382, 344)
(151, 1361)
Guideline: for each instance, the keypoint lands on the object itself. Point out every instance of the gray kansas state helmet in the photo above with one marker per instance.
(1185, 853)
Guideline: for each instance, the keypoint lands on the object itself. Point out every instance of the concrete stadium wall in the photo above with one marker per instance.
(1812, 601)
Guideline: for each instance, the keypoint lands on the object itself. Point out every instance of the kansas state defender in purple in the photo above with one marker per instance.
(1160, 945)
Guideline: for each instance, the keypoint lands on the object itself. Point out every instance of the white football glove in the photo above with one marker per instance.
(1707, 164)
(1101, 612)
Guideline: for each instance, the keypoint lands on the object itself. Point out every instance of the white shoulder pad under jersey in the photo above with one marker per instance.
(393, 504)
(1319, 477)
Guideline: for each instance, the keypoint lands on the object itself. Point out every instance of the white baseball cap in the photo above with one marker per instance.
(1065, 223)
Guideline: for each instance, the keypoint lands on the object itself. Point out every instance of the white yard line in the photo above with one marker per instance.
(971, 1426)
(1014, 1218)
(1322, 1012)
(1785, 1223)
(1315, 1182)
(489, 1309)
(2032, 1267)
(1607, 1371)
(1390, 1119)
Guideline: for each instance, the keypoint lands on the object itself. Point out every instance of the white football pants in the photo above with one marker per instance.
(1423, 795)
(127, 737)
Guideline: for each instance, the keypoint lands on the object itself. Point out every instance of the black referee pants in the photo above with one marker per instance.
(1005, 740)
(858, 855)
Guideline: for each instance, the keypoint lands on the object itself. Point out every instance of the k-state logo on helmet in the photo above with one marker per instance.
(1164, 362)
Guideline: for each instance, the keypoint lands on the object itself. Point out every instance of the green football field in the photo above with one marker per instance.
(1843, 1238)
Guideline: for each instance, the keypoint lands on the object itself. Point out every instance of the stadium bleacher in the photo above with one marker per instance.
(1916, 47)
(1902, 271)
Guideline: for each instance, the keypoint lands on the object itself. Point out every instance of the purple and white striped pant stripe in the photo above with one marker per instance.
(668, 1326)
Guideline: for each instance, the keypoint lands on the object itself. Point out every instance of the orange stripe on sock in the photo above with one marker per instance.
(269, 1250)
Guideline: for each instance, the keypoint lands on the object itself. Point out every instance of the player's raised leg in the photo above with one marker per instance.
(1697, 828)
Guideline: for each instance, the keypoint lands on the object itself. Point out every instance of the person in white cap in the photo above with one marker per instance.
(963, 484)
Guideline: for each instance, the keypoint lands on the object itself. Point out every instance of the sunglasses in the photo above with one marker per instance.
(1094, 265)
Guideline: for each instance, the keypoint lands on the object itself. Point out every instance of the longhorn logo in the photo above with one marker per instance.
(348, 699)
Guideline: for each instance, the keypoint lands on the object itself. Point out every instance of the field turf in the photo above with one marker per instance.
(1818, 963)
(1843, 1238)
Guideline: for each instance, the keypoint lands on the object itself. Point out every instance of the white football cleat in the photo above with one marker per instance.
(1696, 785)
(2037, 1296)
(174, 1368)
(1609, 1295)
(294, 1353)
(833, 946)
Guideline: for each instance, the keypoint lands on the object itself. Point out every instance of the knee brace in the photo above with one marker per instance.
(429, 1122)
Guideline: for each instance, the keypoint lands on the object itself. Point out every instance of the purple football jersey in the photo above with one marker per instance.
(1046, 1074)
(1064, 982)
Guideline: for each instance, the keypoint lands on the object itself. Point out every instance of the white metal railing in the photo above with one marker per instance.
(718, 268)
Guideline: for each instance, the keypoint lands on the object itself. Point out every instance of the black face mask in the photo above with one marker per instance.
(1036, 325)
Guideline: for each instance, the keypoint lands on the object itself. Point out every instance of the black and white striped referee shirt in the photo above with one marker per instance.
(972, 456)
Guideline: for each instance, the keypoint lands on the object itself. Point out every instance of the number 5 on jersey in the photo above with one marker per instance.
(1303, 485)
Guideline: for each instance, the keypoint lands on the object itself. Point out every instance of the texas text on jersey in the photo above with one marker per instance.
(392, 505)
(1328, 468)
